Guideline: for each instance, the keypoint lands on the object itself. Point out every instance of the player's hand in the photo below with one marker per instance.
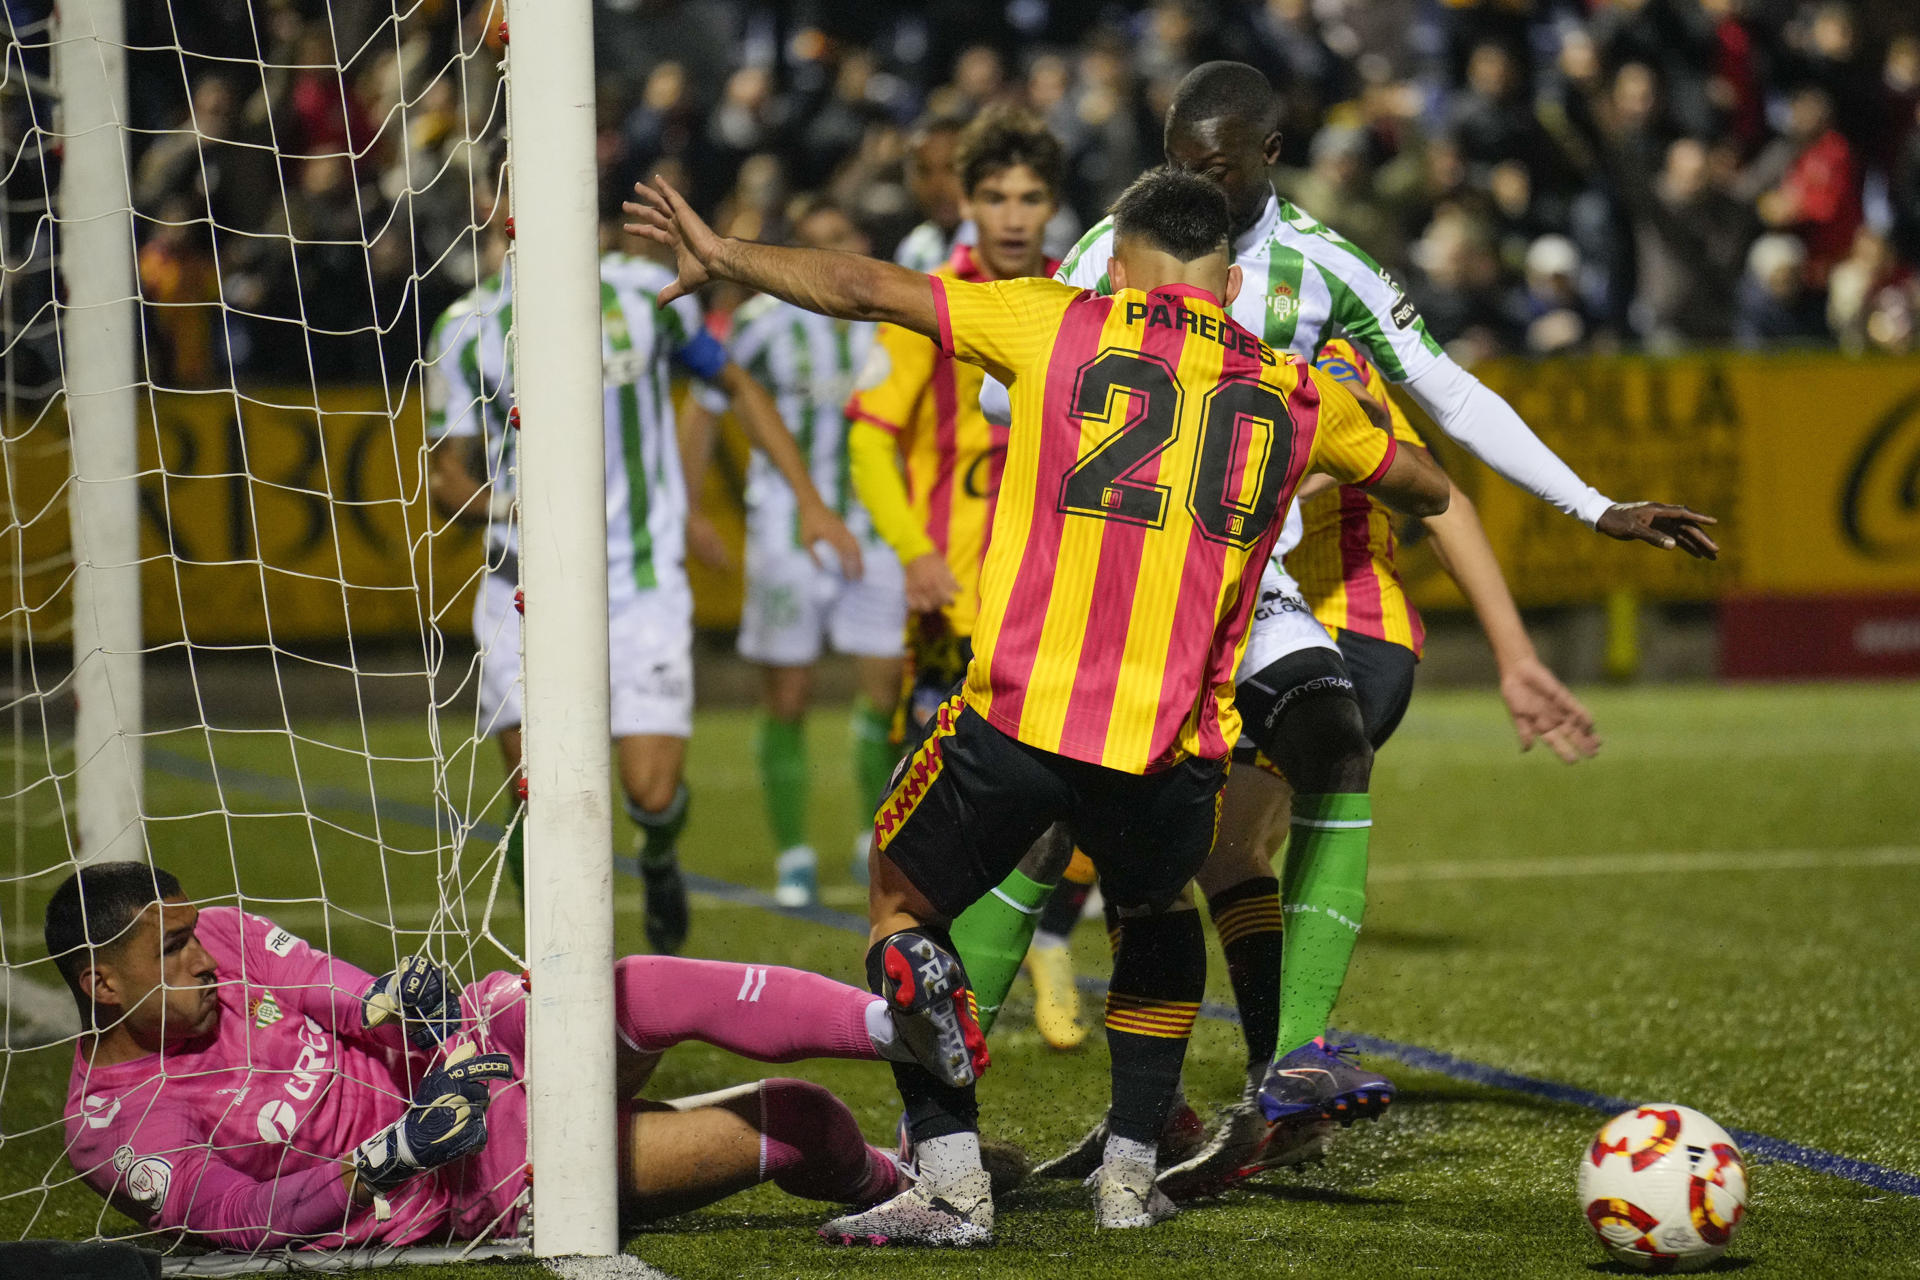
(705, 544)
(930, 583)
(446, 1119)
(420, 997)
(1664, 526)
(819, 524)
(1544, 710)
(661, 215)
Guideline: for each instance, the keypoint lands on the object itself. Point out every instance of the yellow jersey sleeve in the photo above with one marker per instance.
(1004, 326)
(1346, 444)
(874, 460)
(889, 385)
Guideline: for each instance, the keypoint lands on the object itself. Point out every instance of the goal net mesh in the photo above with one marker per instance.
(309, 189)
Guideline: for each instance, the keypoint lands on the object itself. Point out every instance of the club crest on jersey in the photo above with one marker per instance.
(265, 1011)
(1283, 304)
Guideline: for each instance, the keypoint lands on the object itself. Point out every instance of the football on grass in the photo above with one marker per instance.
(1663, 1187)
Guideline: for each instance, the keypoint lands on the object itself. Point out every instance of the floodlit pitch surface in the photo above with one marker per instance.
(1722, 910)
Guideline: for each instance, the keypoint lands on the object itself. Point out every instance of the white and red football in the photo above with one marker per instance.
(1663, 1187)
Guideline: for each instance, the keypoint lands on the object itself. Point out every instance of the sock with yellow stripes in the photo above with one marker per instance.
(874, 756)
(783, 779)
(991, 938)
(1159, 977)
(1324, 894)
(1247, 918)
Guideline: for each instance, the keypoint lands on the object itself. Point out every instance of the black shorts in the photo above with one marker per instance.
(1382, 674)
(969, 801)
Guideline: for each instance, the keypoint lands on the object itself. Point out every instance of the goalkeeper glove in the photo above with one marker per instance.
(446, 1120)
(419, 995)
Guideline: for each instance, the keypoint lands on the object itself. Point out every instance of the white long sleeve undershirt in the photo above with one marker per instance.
(1486, 426)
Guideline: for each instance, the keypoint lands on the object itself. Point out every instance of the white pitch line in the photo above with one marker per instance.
(1636, 864)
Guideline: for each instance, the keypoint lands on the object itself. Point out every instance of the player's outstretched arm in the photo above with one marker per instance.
(1542, 708)
(845, 285)
(1483, 423)
(1413, 483)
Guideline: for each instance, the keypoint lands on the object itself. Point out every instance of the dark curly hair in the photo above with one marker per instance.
(1002, 137)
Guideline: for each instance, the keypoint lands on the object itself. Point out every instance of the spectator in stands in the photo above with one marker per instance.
(1870, 297)
(1818, 194)
(1690, 240)
(1776, 307)
(1530, 119)
(1550, 304)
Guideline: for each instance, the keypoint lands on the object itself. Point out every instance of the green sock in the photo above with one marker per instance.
(873, 757)
(783, 779)
(992, 936)
(1323, 894)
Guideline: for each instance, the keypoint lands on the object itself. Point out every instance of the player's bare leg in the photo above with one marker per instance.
(681, 1155)
(650, 774)
(784, 776)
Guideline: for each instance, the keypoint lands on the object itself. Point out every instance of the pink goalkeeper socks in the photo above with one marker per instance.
(810, 1146)
(764, 1012)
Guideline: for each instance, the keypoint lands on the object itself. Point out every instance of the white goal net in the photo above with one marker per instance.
(226, 232)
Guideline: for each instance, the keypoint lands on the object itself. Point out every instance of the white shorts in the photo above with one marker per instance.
(650, 652)
(1282, 623)
(793, 606)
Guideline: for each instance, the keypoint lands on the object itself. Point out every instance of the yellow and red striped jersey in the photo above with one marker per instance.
(1345, 560)
(930, 403)
(1154, 449)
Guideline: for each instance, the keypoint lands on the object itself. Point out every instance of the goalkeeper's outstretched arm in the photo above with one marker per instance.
(847, 286)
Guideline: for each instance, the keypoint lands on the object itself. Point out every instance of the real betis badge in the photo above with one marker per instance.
(1282, 302)
(265, 1010)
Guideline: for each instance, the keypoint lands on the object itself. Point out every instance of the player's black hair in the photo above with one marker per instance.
(92, 908)
(933, 124)
(1002, 137)
(1176, 212)
(1220, 90)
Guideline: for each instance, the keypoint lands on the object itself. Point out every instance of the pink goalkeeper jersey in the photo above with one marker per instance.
(238, 1137)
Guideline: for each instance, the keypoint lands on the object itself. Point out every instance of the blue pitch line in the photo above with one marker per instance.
(1879, 1177)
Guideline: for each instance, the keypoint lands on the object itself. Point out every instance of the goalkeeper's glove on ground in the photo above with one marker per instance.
(446, 1120)
(419, 996)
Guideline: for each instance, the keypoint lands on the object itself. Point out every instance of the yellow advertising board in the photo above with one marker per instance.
(266, 517)
(263, 517)
(1810, 461)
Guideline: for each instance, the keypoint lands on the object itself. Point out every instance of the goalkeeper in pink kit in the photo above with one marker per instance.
(240, 1086)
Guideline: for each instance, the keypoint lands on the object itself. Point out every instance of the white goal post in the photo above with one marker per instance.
(556, 284)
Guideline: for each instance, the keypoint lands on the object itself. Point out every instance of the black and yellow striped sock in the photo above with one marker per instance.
(1247, 917)
(1159, 977)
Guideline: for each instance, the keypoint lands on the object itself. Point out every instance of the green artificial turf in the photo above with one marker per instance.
(1722, 910)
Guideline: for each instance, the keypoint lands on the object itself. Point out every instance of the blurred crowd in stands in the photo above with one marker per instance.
(1542, 175)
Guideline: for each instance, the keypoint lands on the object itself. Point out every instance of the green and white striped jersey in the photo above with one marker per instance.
(927, 247)
(470, 386)
(809, 363)
(1302, 284)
